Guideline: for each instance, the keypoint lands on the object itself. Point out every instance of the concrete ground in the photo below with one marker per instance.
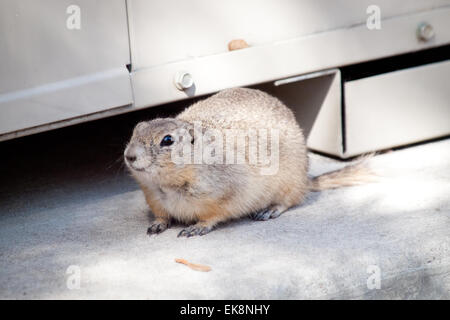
(65, 201)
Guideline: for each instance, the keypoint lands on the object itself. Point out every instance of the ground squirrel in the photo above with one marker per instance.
(194, 176)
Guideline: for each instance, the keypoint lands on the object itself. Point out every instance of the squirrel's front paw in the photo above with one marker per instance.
(157, 227)
(195, 230)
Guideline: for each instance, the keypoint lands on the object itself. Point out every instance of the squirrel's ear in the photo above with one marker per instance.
(141, 125)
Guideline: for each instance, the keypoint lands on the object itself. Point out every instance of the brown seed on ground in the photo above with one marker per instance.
(237, 44)
(193, 266)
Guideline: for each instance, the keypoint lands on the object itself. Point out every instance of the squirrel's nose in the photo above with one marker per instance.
(133, 152)
(130, 154)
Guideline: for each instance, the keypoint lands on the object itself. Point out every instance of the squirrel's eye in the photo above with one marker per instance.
(167, 141)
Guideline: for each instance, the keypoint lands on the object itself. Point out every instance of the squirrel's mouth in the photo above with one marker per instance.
(133, 167)
(137, 169)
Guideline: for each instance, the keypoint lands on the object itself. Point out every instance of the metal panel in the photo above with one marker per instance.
(397, 108)
(315, 100)
(172, 30)
(64, 100)
(50, 72)
(153, 86)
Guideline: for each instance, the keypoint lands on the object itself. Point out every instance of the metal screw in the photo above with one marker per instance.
(183, 80)
(425, 31)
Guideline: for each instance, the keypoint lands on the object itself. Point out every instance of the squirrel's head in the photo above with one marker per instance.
(154, 143)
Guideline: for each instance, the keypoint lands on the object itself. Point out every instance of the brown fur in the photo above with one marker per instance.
(155, 206)
(351, 175)
(207, 194)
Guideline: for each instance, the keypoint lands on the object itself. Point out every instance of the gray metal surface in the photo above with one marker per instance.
(397, 108)
(51, 70)
(263, 63)
(201, 28)
(52, 76)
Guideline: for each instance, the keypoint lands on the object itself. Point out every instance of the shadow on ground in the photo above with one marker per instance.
(65, 199)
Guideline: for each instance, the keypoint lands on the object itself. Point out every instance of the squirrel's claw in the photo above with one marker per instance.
(263, 215)
(266, 214)
(195, 230)
(157, 227)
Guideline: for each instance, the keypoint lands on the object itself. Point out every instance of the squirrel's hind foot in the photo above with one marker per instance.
(271, 212)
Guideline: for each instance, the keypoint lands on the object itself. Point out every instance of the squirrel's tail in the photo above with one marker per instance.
(355, 174)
